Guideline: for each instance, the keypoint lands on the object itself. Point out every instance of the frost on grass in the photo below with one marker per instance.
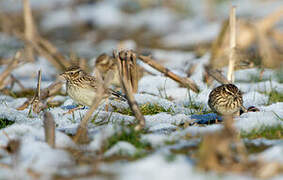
(121, 148)
(8, 111)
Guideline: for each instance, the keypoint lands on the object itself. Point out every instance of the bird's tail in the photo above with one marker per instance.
(117, 95)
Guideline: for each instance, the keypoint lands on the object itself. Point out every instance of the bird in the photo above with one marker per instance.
(83, 88)
(108, 69)
(226, 99)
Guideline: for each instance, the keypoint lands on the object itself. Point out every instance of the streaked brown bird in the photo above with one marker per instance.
(108, 69)
(82, 87)
(226, 100)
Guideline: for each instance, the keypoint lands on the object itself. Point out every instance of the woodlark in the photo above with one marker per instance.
(108, 69)
(82, 87)
(226, 100)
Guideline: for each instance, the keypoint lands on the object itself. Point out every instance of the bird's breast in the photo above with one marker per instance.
(82, 96)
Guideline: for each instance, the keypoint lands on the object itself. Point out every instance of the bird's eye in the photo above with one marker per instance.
(71, 73)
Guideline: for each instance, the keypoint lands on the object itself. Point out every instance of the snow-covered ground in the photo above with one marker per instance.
(165, 130)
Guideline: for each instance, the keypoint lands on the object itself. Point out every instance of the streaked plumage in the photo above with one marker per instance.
(226, 100)
(82, 87)
(108, 69)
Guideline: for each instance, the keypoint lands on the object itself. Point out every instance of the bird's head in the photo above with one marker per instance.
(72, 73)
(104, 62)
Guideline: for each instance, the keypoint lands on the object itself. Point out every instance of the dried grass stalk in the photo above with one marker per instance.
(129, 69)
(15, 80)
(49, 129)
(53, 51)
(186, 82)
(45, 93)
(232, 53)
(216, 75)
(81, 135)
(134, 74)
(30, 30)
(36, 104)
(217, 153)
(51, 90)
(121, 59)
(11, 66)
(47, 50)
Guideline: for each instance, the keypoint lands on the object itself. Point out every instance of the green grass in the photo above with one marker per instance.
(197, 109)
(252, 148)
(264, 132)
(274, 97)
(133, 137)
(5, 122)
(279, 75)
(25, 93)
(146, 109)
(129, 135)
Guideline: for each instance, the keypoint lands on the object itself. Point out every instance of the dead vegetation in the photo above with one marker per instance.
(260, 34)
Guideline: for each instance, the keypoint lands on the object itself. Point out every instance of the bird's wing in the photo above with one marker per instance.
(91, 81)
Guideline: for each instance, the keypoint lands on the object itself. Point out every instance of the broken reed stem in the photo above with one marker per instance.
(11, 66)
(186, 82)
(232, 54)
(130, 70)
(36, 104)
(43, 46)
(47, 50)
(81, 135)
(223, 156)
(18, 82)
(38, 85)
(29, 29)
(134, 74)
(44, 94)
(51, 49)
(126, 84)
(49, 129)
(216, 75)
(230, 130)
(51, 90)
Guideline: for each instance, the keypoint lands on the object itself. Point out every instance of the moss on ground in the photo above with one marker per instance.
(264, 132)
(129, 135)
(146, 109)
(274, 97)
(5, 122)
(197, 109)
